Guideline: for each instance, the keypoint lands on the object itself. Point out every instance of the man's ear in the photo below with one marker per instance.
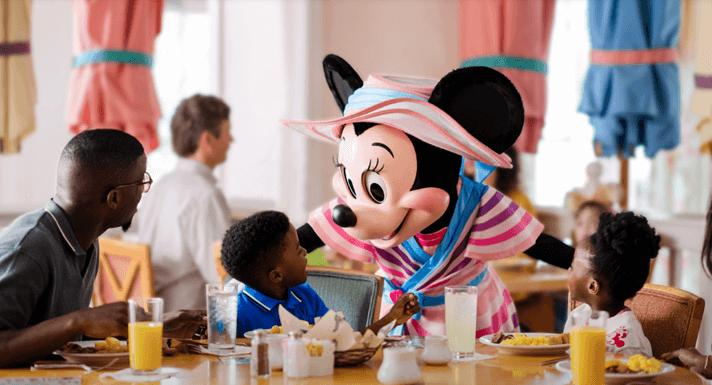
(593, 286)
(113, 198)
(275, 275)
(206, 139)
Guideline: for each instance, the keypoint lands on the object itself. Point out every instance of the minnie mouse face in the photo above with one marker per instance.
(401, 142)
(375, 177)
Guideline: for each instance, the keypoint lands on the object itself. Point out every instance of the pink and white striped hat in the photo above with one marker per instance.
(402, 102)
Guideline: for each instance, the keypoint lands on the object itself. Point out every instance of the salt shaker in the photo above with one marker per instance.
(296, 362)
(399, 367)
(259, 361)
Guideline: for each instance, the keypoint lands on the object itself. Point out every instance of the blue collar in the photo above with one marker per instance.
(267, 303)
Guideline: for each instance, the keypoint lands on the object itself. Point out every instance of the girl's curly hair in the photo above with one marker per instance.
(622, 247)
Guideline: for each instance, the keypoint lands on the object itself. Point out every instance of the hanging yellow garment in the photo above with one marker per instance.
(17, 82)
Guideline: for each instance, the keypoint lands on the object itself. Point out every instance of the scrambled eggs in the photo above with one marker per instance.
(521, 339)
(635, 364)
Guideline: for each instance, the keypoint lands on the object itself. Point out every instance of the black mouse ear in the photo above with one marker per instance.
(341, 78)
(484, 102)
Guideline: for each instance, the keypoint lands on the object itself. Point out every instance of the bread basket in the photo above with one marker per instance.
(354, 356)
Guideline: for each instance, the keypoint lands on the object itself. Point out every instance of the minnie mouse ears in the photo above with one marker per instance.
(475, 112)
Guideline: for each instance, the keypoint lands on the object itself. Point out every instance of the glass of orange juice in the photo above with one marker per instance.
(145, 335)
(588, 348)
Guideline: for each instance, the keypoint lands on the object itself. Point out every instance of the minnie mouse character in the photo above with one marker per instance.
(402, 198)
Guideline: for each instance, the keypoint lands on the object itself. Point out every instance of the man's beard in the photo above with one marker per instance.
(126, 226)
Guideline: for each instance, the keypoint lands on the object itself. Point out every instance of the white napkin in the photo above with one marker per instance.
(387, 329)
(128, 376)
(238, 351)
(290, 322)
(475, 357)
(333, 327)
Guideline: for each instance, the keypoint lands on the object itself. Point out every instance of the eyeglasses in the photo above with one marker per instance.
(146, 183)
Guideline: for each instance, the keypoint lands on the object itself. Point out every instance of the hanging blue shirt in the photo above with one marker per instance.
(258, 311)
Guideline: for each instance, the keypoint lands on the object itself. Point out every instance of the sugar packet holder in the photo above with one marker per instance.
(315, 360)
(321, 365)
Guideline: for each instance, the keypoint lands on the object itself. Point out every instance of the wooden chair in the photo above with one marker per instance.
(670, 317)
(125, 272)
(222, 274)
(355, 293)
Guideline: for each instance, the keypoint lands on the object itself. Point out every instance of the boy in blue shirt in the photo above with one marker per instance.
(263, 252)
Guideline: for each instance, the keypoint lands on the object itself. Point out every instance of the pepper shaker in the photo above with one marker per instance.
(259, 361)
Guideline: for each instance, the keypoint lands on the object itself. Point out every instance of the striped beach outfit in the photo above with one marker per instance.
(486, 226)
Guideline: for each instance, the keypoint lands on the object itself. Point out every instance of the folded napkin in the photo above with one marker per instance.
(128, 376)
(234, 360)
(237, 351)
(475, 357)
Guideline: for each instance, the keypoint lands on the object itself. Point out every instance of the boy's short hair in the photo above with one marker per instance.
(622, 248)
(193, 116)
(253, 244)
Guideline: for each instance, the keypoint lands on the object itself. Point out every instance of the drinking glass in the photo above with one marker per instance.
(222, 318)
(588, 348)
(461, 319)
(145, 335)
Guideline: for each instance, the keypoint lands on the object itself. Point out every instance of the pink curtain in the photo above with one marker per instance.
(17, 80)
(513, 37)
(111, 85)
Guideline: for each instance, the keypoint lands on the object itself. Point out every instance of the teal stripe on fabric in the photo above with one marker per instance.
(520, 63)
(427, 300)
(366, 97)
(103, 56)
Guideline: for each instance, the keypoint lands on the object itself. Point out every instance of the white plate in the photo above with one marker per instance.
(96, 360)
(526, 350)
(620, 378)
(251, 334)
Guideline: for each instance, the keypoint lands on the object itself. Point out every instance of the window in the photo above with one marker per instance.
(677, 181)
(184, 64)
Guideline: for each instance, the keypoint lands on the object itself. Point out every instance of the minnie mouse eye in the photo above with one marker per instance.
(374, 186)
(348, 182)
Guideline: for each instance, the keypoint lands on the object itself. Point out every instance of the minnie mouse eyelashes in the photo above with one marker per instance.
(375, 166)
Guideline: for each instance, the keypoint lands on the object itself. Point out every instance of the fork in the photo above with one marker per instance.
(69, 365)
(553, 361)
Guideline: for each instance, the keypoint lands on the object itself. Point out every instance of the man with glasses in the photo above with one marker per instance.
(186, 212)
(49, 257)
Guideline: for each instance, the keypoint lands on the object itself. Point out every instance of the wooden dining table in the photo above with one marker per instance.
(500, 369)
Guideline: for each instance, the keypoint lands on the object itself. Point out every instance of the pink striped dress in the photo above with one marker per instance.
(492, 228)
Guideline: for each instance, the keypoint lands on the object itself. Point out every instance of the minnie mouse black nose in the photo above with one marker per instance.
(343, 216)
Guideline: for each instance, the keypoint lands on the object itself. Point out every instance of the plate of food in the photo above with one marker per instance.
(528, 344)
(626, 369)
(276, 329)
(109, 353)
